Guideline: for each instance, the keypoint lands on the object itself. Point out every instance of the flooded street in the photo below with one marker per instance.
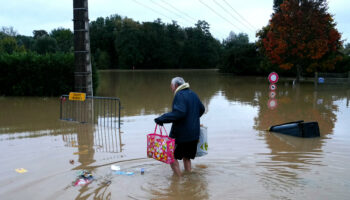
(244, 161)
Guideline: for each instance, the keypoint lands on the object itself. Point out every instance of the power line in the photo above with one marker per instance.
(179, 10)
(152, 9)
(183, 13)
(170, 11)
(239, 15)
(232, 15)
(219, 15)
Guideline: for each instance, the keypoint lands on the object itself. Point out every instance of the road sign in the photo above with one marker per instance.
(75, 96)
(273, 87)
(273, 77)
(272, 104)
(272, 94)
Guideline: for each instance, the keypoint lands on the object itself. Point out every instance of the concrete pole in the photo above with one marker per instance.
(82, 59)
(83, 70)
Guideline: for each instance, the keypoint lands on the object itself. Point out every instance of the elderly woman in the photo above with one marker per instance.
(186, 111)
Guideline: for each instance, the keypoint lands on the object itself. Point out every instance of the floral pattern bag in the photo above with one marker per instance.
(160, 147)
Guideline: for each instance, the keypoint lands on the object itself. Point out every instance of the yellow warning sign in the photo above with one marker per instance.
(75, 96)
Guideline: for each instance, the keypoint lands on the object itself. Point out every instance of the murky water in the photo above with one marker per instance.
(244, 161)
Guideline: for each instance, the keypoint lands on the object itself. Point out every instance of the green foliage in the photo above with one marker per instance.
(234, 39)
(31, 74)
(40, 33)
(2, 35)
(128, 44)
(64, 38)
(151, 45)
(26, 41)
(200, 49)
(343, 65)
(102, 60)
(8, 45)
(45, 44)
(239, 56)
(102, 37)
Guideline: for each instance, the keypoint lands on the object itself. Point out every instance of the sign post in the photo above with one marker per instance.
(273, 78)
(273, 87)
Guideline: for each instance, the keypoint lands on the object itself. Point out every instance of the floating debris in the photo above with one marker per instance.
(115, 167)
(84, 178)
(124, 173)
(21, 170)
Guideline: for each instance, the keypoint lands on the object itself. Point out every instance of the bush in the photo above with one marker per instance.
(31, 74)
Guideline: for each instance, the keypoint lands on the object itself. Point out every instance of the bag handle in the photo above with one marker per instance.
(160, 129)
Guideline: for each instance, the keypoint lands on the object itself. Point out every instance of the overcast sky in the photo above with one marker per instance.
(224, 16)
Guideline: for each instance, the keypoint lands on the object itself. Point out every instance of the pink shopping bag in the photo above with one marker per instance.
(160, 147)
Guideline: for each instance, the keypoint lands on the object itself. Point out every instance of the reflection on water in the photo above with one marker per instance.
(148, 92)
(244, 161)
(288, 157)
(296, 103)
(190, 186)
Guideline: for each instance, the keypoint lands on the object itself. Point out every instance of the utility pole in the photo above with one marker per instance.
(82, 60)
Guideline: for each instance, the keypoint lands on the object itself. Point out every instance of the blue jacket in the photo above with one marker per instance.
(185, 114)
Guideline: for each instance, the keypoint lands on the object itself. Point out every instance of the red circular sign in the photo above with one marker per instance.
(272, 94)
(273, 77)
(273, 87)
(272, 104)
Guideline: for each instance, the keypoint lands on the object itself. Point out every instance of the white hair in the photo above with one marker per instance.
(177, 81)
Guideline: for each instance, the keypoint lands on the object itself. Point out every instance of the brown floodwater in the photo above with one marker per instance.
(244, 160)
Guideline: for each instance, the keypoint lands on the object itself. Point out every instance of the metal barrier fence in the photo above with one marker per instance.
(332, 78)
(104, 139)
(98, 110)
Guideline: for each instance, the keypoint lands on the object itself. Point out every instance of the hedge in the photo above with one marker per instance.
(32, 74)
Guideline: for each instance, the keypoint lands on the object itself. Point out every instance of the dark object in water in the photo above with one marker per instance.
(298, 129)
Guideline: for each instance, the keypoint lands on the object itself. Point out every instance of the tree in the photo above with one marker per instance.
(128, 44)
(26, 41)
(239, 56)
(203, 26)
(45, 44)
(8, 45)
(39, 33)
(301, 35)
(103, 35)
(64, 38)
(9, 31)
(200, 50)
(234, 39)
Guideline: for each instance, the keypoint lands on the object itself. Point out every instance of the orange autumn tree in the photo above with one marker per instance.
(302, 35)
